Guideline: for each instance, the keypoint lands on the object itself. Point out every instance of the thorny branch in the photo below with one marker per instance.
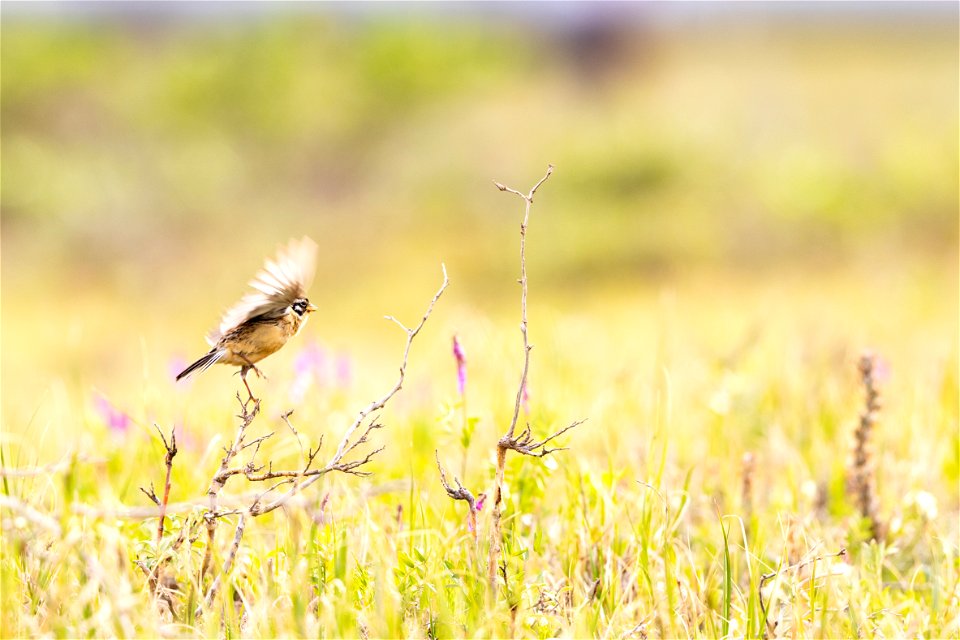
(524, 444)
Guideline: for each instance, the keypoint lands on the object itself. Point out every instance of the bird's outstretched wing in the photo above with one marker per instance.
(280, 282)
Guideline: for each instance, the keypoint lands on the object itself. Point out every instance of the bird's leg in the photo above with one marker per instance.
(250, 365)
(243, 376)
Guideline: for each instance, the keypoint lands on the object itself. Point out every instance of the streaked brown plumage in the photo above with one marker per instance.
(262, 322)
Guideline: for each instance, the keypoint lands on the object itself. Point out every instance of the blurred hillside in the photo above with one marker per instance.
(148, 150)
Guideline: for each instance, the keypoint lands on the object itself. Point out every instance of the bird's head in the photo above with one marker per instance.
(302, 306)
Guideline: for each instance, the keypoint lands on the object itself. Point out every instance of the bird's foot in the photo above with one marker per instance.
(249, 366)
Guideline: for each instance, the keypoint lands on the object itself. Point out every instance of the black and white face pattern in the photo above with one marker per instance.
(300, 306)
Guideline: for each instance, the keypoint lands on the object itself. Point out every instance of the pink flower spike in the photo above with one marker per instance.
(478, 505)
(116, 420)
(461, 365)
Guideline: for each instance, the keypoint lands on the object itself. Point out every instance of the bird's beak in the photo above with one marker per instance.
(311, 308)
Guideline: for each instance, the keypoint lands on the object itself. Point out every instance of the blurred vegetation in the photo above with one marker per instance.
(141, 145)
(739, 206)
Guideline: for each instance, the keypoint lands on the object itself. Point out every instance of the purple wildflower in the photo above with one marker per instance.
(308, 369)
(478, 505)
(461, 365)
(116, 420)
(344, 370)
(310, 360)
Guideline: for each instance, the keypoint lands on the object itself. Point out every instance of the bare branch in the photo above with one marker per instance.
(171, 448)
(223, 474)
(151, 494)
(346, 445)
(524, 443)
(285, 416)
(376, 405)
(461, 492)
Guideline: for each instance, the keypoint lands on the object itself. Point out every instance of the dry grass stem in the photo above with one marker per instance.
(863, 480)
(771, 627)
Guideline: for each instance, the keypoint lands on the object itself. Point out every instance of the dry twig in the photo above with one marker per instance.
(171, 448)
(461, 493)
(347, 445)
(222, 475)
(525, 443)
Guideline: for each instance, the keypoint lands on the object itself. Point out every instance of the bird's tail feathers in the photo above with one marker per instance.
(202, 364)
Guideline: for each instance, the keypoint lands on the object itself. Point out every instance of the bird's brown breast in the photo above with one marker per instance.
(256, 339)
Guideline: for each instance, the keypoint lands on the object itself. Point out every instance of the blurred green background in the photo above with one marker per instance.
(744, 155)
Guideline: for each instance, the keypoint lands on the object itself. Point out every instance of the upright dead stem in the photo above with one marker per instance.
(171, 448)
(862, 482)
(524, 444)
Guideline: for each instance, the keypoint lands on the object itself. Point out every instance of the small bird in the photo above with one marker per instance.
(264, 320)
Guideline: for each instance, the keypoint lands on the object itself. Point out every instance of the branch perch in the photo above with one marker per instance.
(336, 463)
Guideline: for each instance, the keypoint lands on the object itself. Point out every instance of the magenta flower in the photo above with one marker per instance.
(116, 420)
(344, 370)
(461, 365)
(310, 361)
(308, 369)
